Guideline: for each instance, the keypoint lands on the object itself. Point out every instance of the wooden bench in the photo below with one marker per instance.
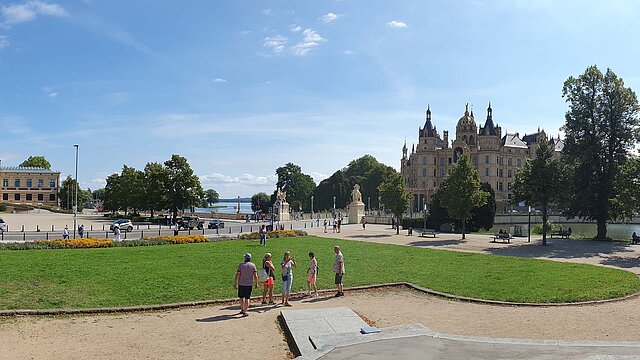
(503, 237)
(563, 234)
(428, 232)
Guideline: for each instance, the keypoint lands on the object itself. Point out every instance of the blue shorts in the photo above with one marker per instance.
(286, 285)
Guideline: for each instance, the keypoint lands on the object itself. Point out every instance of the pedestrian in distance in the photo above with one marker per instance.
(364, 223)
(81, 231)
(338, 268)
(65, 233)
(312, 271)
(287, 264)
(339, 224)
(116, 233)
(245, 277)
(263, 235)
(325, 225)
(334, 225)
(268, 267)
(635, 238)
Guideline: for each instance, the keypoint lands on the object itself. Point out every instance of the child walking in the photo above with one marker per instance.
(313, 272)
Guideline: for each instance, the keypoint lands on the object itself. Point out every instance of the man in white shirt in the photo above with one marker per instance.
(338, 268)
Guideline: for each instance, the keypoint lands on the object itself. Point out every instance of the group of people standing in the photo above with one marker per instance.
(335, 224)
(247, 274)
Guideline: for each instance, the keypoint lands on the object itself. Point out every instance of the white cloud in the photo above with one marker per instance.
(267, 12)
(396, 24)
(276, 43)
(50, 92)
(317, 177)
(244, 179)
(28, 11)
(349, 52)
(245, 32)
(295, 28)
(329, 17)
(4, 41)
(219, 80)
(310, 41)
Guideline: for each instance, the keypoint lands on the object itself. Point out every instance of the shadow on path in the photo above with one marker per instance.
(625, 263)
(218, 318)
(437, 242)
(562, 249)
(369, 236)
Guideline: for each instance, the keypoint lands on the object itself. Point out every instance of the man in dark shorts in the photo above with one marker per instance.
(246, 275)
(338, 268)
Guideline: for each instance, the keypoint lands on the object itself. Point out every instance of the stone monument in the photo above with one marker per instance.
(356, 208)
(282, 206)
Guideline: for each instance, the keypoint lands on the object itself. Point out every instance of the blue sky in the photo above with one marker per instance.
(242, 87)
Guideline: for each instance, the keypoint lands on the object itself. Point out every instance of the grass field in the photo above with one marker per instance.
(38, 279)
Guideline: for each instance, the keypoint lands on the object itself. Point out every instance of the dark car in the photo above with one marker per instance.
(216, 224)
(190, 222)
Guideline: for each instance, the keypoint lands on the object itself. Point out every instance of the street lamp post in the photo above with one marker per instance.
(369, 203)
(425, 215)
(334, 204)
(311, 207)
(75, 207)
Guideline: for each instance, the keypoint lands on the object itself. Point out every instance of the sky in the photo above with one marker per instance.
(240, 88)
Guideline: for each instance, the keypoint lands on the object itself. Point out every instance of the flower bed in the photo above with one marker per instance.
(273, 234)
(87, 243)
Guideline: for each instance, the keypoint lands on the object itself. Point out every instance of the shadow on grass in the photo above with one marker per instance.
(561, 249)
(622, 262)
(437, 242)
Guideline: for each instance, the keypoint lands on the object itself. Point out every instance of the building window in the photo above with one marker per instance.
(509, 161)
(486, 171)
(435, 160)
(424, 160)
(501, 173)
(434, 172)
(434, 184)
(16, 197)
(29, 197)
(29, 183)
(52, 183)
(519, 163)
(499, 186)
(5, 183)
(5, 197)
(40, 183)
(486, 159)
(497, 172)
(40, 197)
(509, 173)
(441, 161)
(17, 183)
(442, 173)
(424, 172)
(449, 161)
(52, 197)
(475, 160)
(509, 186)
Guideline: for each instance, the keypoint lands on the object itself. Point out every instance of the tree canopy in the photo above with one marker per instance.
(540, 182)
(296, 184)
(394, 196)
(36, 162)
(461, 192)
(211, 197)
(261, 202)
(601, 128)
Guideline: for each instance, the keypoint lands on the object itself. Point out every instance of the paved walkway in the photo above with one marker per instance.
(613, 254)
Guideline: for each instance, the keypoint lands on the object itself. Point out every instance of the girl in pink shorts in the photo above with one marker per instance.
(313, 272)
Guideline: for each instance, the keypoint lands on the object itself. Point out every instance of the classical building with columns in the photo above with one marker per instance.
(497, 156)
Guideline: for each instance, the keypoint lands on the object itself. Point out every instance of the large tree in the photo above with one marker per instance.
(36, 162)
(183, 186)
(260, 202)
(67, 194)
(154, 182)
(539, 182)
(298, 186)
(211, 197)
(483, 217)
(601, 129)
(395, 196)
(462, 192)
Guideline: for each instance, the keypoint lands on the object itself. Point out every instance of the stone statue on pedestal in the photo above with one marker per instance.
(356, 208)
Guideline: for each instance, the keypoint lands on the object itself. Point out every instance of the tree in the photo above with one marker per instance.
(482, 217)
(98, 194)
(395, 197)
(113, 195)
(601, 129)
(67, 194)
(36, 162)
(211, 197)
(183, 186)
(125, 190)
(462, 192)
(155, 180)
(260, 202)
(627, 201)
(297, 185)
(539, 182)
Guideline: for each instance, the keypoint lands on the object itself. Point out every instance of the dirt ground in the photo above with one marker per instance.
(217, 332)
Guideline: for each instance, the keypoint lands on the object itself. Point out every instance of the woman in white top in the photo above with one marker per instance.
(287, 264)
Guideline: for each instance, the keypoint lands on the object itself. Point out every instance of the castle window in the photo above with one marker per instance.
(486, 159)
(486, 171)
(509, 162)
(424, 172)
(475, 160)
(509, 186)
(497, 172)
(497, 160)
(501, 173)
(52, 197)
(449, 161)
(434, 172)
(29, 197)
(424, 160)
(499, 186)
(434, 184)
(519, 163)
(40, 197)
(435, 160)
(509, 173)
(5, 197)
(40, 183)
(442, 173)
(441, 161)
(16, 197)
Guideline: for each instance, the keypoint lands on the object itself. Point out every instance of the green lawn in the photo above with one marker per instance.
(38, 279)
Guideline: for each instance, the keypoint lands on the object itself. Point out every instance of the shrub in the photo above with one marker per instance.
(3, 207)
(80, 243)
(182, 239)
(551, 227)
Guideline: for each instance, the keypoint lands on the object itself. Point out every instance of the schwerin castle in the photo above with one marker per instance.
(497, 157)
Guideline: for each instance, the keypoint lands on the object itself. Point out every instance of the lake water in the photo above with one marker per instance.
(614, 231)
(228, 208)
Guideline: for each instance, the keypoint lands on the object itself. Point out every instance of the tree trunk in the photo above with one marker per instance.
(398, 225)
(602, 228)
(152, 213)
(464, 227)
(544, 224)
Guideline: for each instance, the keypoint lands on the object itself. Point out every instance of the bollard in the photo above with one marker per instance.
(52, 228)
(47, 235)
(88, 236)
(203, 231)
(291, 226)
(102, 226)
(125, 234)
(305, 225)
(189, 231)
(240, 228)
(106, 235)
(229, 229)
(37, 228)
(142, 234)
(158, 232)
(91, 227)
(24, 236)
(148, 226)
(217, 231)
(22, 228)
(138, 227)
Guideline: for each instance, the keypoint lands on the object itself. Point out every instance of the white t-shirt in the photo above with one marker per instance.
(338, 263)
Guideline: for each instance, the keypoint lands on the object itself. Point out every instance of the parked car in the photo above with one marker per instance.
(216, 224)
(190, 222)
(3, 226)
(123, 224)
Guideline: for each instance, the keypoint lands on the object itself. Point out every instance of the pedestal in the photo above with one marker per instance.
(356, 212)
(283, 212)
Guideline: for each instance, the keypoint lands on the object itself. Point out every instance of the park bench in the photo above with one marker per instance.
(503, 237)
(635, 240)
(428, 232)
(561, 234)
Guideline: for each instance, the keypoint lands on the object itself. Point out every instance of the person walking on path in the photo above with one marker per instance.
(287, 264)
(334, 224)
(325, 226)
(339, 224)
(245, 277)
(338, 268)
(65, 233)
(267, 265)
(116, 233)
(81, 231)
(263, 235)
(313, 272)
(364, 223)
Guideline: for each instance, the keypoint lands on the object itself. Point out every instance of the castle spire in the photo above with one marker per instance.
(466, 109)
